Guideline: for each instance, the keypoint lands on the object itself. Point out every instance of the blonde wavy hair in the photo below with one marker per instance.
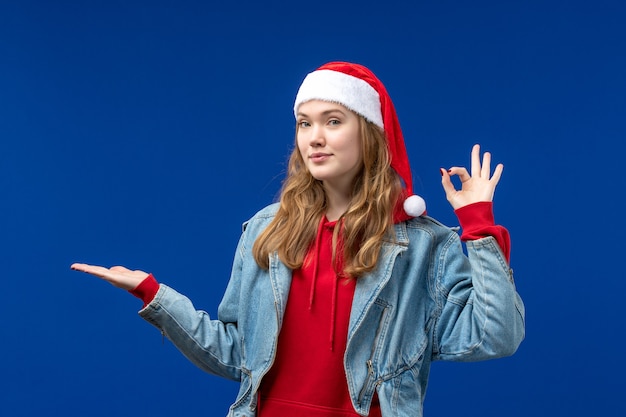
(364, 225)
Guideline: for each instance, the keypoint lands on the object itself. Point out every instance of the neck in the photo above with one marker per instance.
(337, 203)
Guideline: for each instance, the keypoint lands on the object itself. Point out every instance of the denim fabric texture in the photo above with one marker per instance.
(425, 301)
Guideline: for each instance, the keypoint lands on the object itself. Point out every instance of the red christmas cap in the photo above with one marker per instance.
(358, 89)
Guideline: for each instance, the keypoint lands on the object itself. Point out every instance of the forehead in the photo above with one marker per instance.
(320, 106)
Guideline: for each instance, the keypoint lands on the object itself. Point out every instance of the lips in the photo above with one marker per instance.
(319, 157)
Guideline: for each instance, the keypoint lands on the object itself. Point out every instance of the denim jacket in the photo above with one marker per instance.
(426, 300)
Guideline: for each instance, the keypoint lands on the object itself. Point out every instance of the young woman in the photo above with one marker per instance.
(343, 293)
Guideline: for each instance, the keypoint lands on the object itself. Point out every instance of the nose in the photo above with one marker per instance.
(317, 138)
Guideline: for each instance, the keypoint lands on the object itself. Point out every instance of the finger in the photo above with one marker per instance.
(486, 167)
(448, 187)
(98, 271)
(497, 173)
(475, 160)
(461, 172)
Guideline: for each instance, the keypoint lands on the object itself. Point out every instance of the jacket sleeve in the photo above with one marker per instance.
(477, 221)
(481, 315)
(212, 345)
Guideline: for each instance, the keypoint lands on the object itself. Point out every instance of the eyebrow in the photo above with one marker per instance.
(325, 112)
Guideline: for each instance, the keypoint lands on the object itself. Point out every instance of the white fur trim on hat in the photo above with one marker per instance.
(351, 92)
(414, 205)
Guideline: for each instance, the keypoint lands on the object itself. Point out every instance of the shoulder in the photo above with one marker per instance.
(266, 212)
(261, 218)
(425, 227)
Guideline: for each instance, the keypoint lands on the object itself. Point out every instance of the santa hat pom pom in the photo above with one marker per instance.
(414, 206)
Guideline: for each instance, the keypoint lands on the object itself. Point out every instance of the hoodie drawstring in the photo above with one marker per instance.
(333, 313)
(315, 258)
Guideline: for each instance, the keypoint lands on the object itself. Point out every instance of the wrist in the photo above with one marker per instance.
(146, 290)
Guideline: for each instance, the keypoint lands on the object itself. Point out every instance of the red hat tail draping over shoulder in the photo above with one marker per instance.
(358, 89)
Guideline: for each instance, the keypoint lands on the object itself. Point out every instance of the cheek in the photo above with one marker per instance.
(355, 150)
(302, 146)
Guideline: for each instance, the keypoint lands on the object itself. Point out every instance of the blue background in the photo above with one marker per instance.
(145, 133)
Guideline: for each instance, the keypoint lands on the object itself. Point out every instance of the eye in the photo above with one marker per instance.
(334, 122)
(303, 123)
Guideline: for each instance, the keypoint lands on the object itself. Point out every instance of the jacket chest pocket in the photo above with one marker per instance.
(399, 339)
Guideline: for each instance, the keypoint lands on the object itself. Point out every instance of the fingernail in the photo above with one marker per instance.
(441, 171)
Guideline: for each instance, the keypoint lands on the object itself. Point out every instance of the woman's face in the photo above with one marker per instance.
(329, 141)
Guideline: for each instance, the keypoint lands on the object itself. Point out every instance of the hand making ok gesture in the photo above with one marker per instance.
(479, 186)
